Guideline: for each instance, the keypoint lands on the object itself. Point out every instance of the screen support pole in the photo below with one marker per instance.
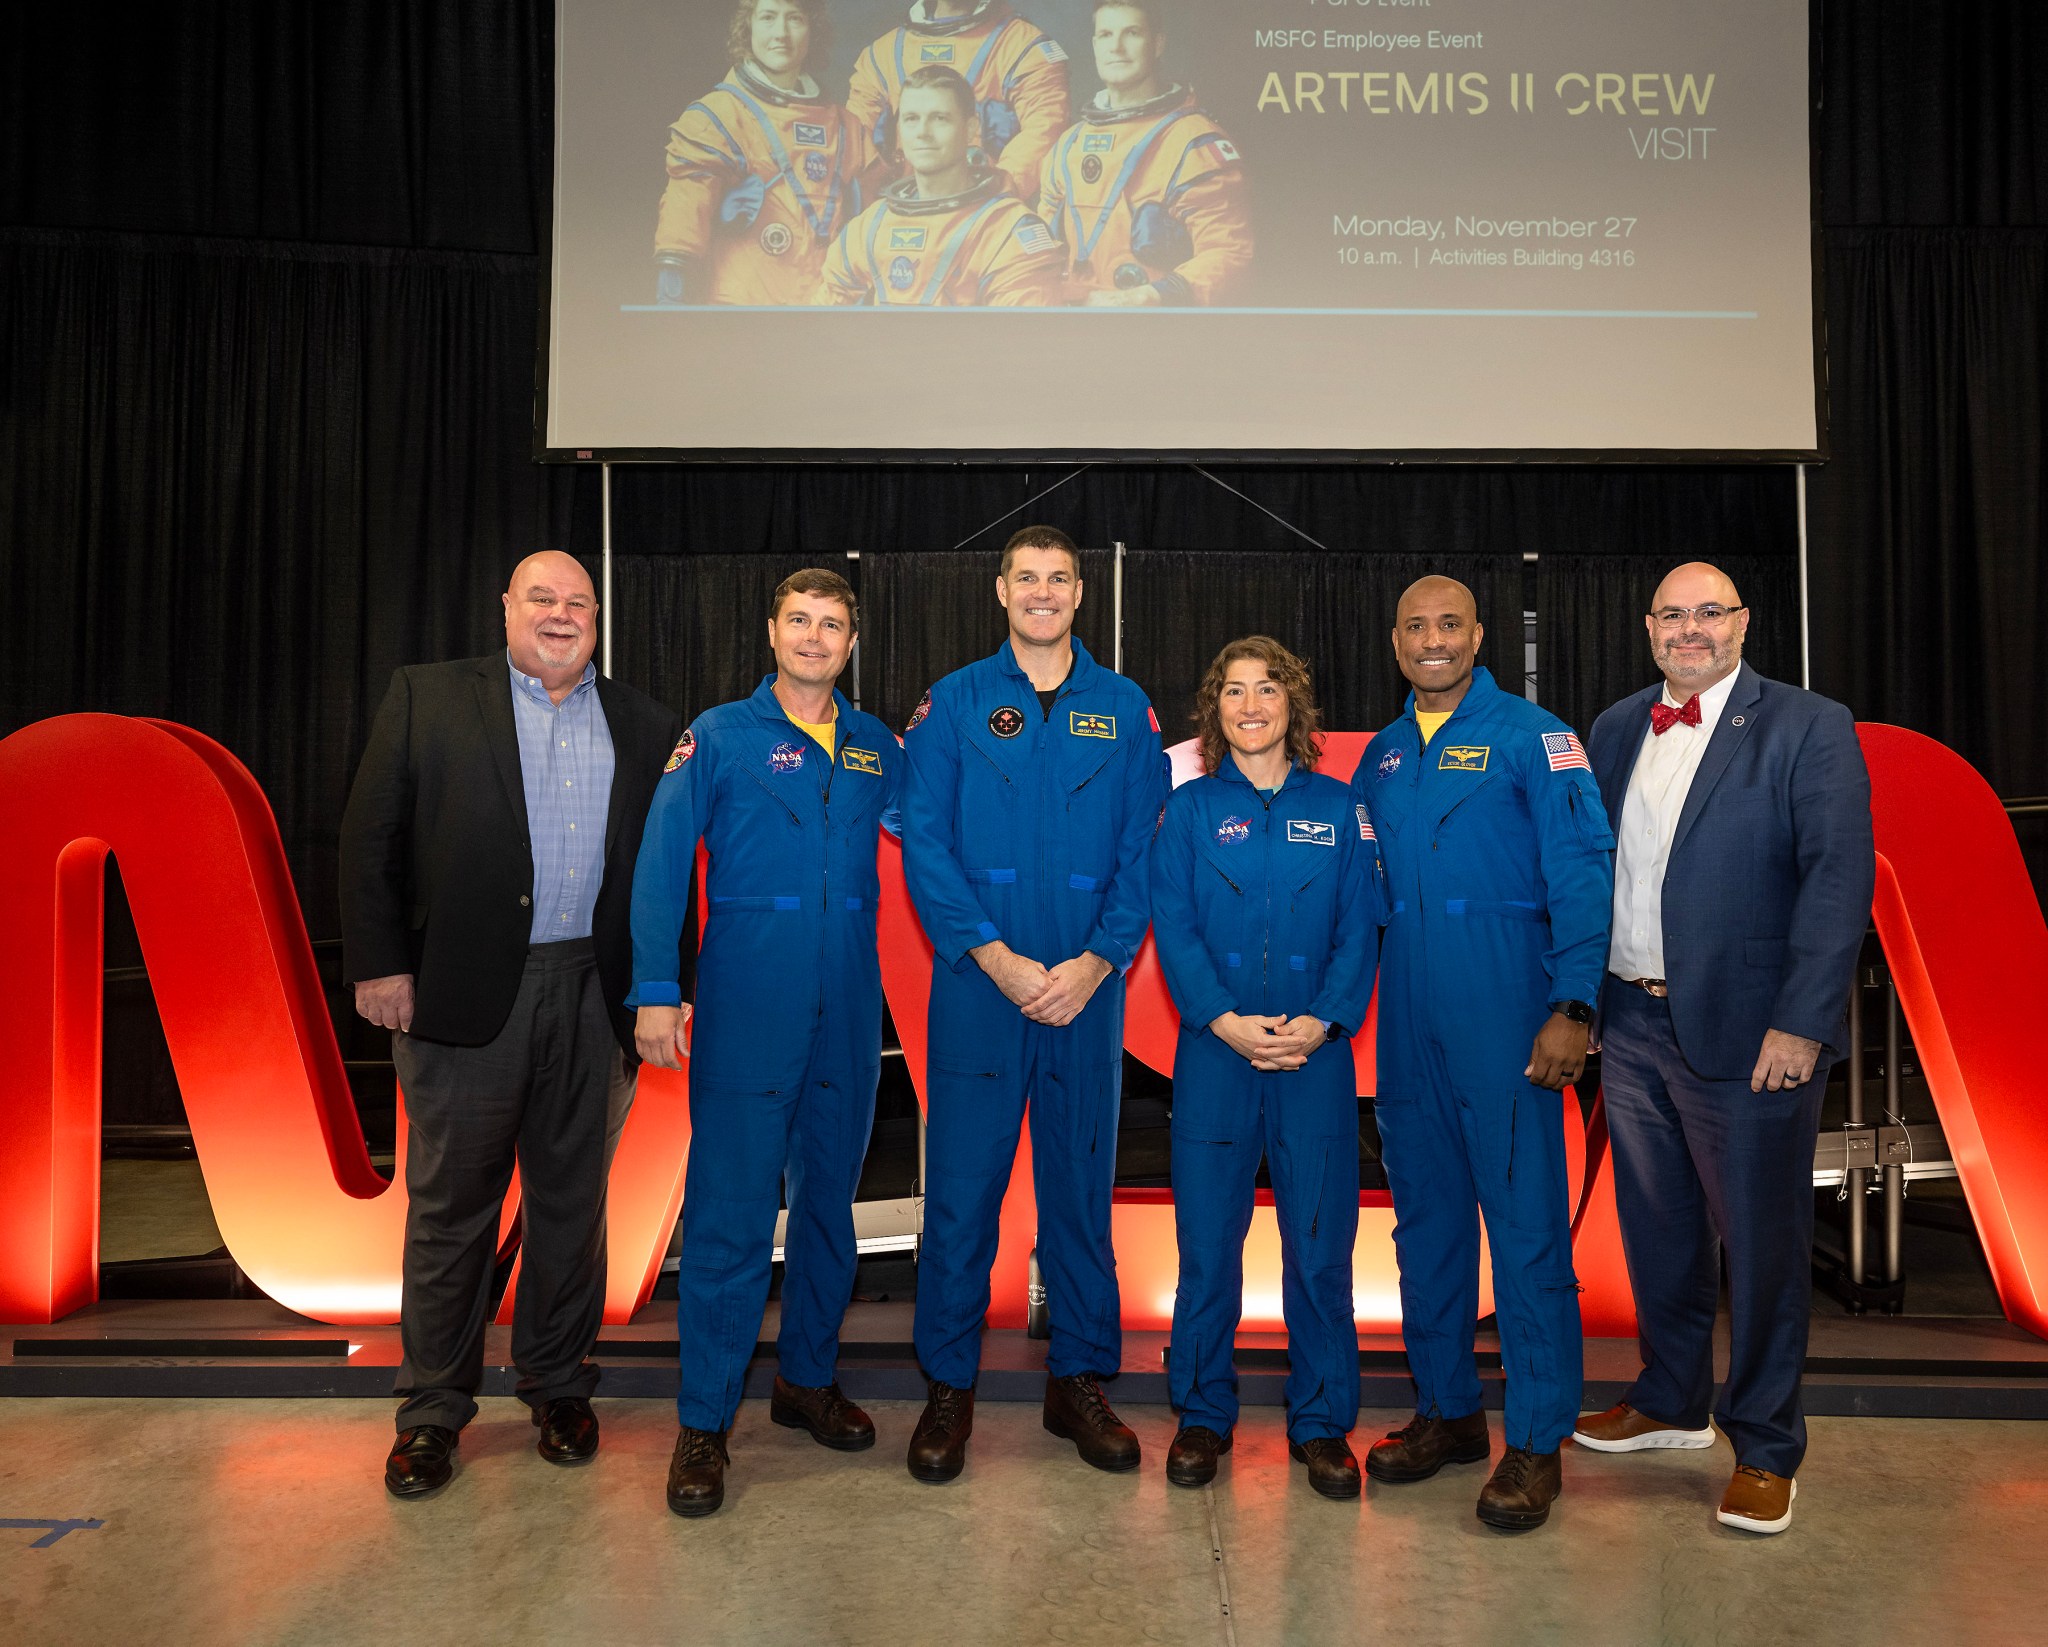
(604, 600)
(1117, 600)
(1805, 616)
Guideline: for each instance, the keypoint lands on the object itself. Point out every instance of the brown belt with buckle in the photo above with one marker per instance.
(1649, 986)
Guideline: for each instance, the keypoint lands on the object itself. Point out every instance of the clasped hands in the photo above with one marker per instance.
(1267, 1041)
(1054, 995)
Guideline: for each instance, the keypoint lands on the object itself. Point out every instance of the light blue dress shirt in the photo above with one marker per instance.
(566, 764)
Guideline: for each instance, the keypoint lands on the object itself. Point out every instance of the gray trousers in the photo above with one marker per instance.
(550, 1093)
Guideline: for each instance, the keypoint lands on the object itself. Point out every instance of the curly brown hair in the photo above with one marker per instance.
(1304, 720)
(739, 34)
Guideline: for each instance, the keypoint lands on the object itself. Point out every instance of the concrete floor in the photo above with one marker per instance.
(265, 1522)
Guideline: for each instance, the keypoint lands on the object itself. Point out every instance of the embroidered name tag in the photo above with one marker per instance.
(861, 760)
(1091, 726)
(1310, 833)
(1464, 757)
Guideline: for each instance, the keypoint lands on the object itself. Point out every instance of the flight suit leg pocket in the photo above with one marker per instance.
(973, 1113)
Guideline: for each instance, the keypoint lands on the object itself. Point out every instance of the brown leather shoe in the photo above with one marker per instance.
(1424, 1445)
(568, 1430)
(1076, 1410)
(1519, 1494)
(1191, 1460)
(421, 1461)
(832, 1420)
(1757, 1501)
(1332, 1467)
(938, 1446)
(696, 1472)
(1621, 1429)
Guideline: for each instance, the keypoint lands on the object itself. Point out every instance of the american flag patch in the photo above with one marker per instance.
(1566, 752)
(1034, 236)
(1365, 825)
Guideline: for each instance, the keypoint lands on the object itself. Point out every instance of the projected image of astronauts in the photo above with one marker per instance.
(955, 174)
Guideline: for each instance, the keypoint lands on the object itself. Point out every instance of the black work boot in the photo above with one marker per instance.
(833, 1420)
(1519, 1495)
(696, 1472)
(1425, 1444)
(1332, 1467)
(938, 1446)
(1191, 1460)
(1076, 1410)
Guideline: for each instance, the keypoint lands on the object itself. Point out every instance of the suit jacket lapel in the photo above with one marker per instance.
(494, 703)
(1614, 781)
(1727, 738)
(608, 706)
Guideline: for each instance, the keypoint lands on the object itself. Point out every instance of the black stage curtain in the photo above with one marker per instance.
(268, 278)
(239, 485)
(1590, 646)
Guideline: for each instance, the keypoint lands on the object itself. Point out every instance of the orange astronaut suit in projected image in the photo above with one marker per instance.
(979, 247)
(1149, 195)
(1018, 73)
(761, 176)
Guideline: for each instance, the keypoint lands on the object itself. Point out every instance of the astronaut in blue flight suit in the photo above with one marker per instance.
(1499, 868)
(1035, 784)
(1266, 906)
(788, 790)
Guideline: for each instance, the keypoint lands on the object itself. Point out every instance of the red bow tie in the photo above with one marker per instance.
(1663, 717)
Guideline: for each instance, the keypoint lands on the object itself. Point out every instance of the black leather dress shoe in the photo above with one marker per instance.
(1191, 1460)
(568, 1430)
(938, 1446)
(1425, 1444)
(832, 1420)
(696, 1472)
(422, 1461)
(1332, 1467)
(1076, 1410)
(1521, 1490)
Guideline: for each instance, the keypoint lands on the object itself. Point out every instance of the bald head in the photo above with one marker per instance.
(551, 620)
(1437, 595)
(1436, 640)
(1696, 624)
(1692, 583)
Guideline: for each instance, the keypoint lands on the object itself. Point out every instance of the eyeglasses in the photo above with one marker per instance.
(1710, 614)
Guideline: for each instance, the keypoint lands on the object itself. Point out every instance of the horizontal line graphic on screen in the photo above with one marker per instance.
(1617, 198)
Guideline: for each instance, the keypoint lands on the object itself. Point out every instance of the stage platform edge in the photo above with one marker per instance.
(1871, 1367)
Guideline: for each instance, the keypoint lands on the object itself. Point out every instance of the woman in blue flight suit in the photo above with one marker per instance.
(1266, 905)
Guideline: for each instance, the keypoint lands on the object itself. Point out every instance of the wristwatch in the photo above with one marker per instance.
(1577, 1011)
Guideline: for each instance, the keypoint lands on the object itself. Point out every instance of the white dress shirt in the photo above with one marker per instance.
(1649, 820)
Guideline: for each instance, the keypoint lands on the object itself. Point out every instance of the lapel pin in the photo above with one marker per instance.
(1736, 722)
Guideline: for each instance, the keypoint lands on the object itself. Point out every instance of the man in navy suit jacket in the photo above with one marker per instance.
(1742, 883)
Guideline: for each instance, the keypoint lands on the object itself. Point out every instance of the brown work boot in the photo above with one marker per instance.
(1332, 1467)
(1076, 1410)
(696, 1472)
(938, 1446)
(833, 1420)
(1621, 1429)
(1757, 1501)
(1519, 1494)
(1425, 1444)
(1191, 1460)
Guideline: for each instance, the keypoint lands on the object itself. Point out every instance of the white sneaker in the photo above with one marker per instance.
(1621, 1429)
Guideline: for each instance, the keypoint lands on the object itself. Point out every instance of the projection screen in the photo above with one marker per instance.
(1435, 228)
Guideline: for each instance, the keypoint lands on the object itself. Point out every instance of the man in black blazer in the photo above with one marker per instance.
(486, 886)
(1742, 884)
